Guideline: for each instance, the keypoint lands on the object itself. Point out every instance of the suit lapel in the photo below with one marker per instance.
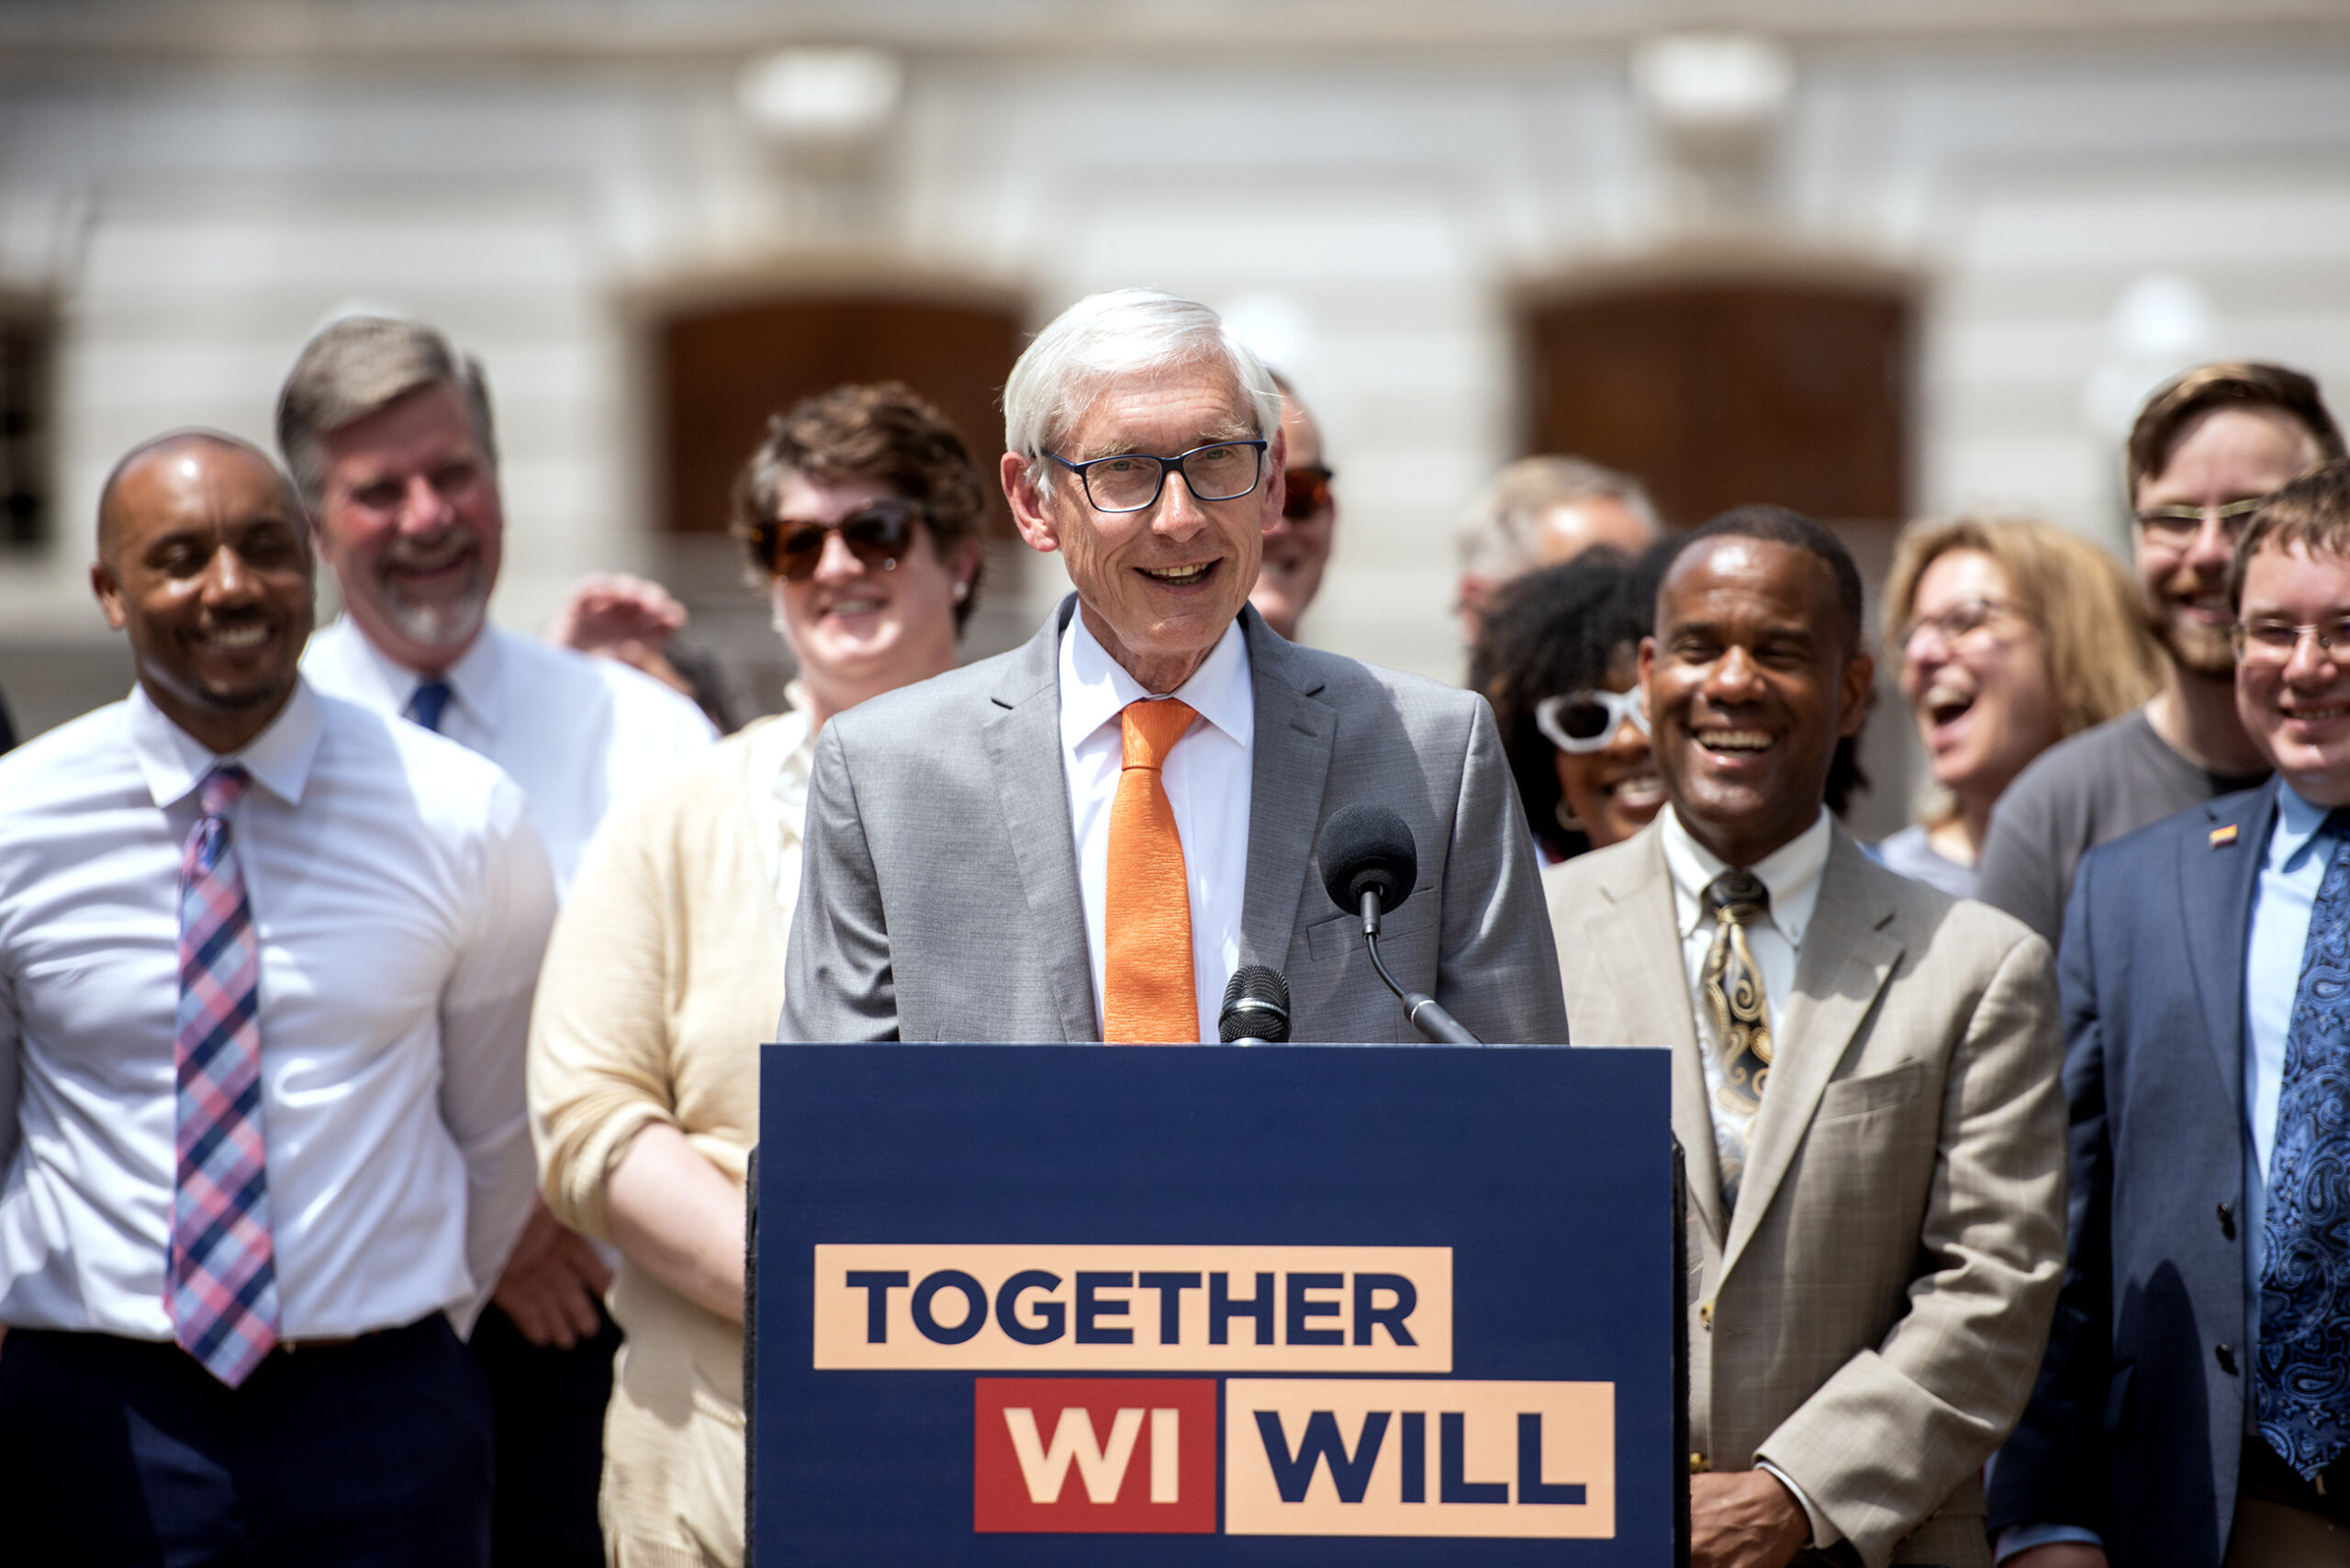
(1293, 735)
(2215, 887)
(1637, 935)
(1848, 955)
(1024, 742)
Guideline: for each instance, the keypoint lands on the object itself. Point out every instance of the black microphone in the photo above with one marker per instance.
(1368, 864)
(1256, 1008)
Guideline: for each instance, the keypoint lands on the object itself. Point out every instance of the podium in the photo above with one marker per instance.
(1294, 1306)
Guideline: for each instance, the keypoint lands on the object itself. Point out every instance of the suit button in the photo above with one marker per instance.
(1698, 1465)
(2227, 1222)
(2226, 1357)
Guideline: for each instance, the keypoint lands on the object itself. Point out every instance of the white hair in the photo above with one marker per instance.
(1105, 337)
(1499, 532)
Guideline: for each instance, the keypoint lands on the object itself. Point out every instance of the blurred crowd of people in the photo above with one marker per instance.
(380, 1003)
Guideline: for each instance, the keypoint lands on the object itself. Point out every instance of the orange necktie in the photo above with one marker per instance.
(1147, 996)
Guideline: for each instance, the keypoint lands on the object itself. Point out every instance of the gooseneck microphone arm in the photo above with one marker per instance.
(1368, 863)
(1428, 1014)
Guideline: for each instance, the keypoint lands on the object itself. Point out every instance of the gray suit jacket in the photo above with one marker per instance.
(938, 897)
(1870, 1317)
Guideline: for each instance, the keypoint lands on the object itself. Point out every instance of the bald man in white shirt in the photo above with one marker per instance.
(266, 961)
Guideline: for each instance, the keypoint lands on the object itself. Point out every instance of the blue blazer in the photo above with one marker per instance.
(2135, 1426)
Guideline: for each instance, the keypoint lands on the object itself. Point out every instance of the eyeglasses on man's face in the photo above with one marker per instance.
(1130, 481)
(878, 534)
(1578, 721)
(2176, 525)
(2271, 645)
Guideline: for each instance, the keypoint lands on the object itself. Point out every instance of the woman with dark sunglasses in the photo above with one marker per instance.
(860, 518)
(1554, 656)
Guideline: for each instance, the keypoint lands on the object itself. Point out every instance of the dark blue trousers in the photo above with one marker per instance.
(548, 1406)
(125, 1451)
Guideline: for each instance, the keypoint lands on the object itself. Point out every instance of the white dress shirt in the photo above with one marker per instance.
(575, 732)
(401, 902)
(1207, 782)
(783, 751)
(1791, 873)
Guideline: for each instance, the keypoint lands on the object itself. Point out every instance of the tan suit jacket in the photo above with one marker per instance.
(1870, 1317)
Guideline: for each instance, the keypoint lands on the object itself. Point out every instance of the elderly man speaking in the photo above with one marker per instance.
(1083, 839)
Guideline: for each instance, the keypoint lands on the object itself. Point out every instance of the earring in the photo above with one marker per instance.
(1566, 819)
(962, 592)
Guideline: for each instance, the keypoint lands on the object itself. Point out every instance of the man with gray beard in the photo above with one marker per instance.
(388, 433)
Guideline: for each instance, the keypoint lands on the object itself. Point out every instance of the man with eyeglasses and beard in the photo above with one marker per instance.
(2194, 1409)
(1084, 838)
(386, 431)
(1297, 546)
(2206, 448)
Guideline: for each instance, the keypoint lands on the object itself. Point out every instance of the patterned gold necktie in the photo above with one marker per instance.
(1741, 1014)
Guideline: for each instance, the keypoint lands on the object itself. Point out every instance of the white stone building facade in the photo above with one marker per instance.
(2079, 198)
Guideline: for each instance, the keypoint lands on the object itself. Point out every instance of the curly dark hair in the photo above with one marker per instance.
(1554, 630)
(881, 432)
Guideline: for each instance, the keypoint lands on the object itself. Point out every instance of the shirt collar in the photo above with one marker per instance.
(474, 683)
(174, 762)
(2297, 824)
(474, 679)
(1095, 688)
(785, 750)
(1791, 872)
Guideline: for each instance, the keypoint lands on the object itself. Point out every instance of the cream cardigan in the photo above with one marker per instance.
(664, 976)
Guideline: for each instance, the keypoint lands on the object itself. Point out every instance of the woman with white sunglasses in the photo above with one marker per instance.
(1555, 659)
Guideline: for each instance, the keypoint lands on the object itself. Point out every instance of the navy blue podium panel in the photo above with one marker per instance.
(1294, 1306)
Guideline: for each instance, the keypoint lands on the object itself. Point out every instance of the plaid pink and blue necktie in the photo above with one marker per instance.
(222, 1289)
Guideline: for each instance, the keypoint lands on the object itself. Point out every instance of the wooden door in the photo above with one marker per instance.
(27, 337)
(724, 370)
(1714, 395)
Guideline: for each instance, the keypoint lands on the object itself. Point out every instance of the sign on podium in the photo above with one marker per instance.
(1285, 1305)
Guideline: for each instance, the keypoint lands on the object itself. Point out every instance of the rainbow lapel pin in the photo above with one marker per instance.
(2223, 835)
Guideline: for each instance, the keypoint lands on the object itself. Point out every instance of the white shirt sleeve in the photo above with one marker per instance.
(11, 1072)
(1824, 1533)
(485, 1025)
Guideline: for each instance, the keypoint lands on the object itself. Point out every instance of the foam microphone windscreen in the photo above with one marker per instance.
(1365, 846)
(1256, 1006)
